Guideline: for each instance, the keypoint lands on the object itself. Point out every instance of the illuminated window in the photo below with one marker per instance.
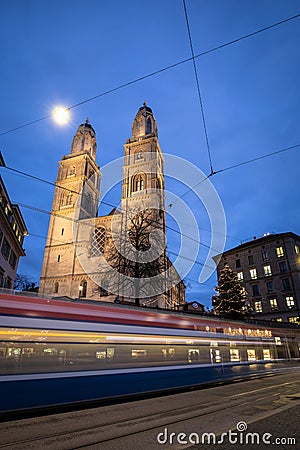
(138, 353)
(267, 271)
(258, 307)
(253, 274)
(266, 353)
(98, 242)
(255, 289)
(234, 354)
(279, 252)
(240, 276)
(265, 256)
(278, 340)
(297, 250)
(273, 304)
(82, 289)
(278, 319)
(251, 355)
(293, 319)
(290, 302)
(250, 260)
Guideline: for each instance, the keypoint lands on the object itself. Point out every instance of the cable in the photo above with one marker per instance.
(171, 66)
(198, 87)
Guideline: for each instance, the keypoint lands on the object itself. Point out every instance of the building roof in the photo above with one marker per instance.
(261, 240)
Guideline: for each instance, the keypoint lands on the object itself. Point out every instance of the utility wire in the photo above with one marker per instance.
(156, 72)
(198, 87)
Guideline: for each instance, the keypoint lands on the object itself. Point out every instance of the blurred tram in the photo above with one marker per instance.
(54, 352)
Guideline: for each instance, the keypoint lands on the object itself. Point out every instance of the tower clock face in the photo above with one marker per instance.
(195, 305)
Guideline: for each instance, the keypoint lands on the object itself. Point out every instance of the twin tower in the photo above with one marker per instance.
(121, 256)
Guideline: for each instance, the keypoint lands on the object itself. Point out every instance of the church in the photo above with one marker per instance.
(120, 257)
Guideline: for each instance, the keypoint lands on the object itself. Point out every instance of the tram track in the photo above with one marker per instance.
(111, 425)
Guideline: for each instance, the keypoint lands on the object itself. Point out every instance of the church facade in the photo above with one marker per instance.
(122, 256)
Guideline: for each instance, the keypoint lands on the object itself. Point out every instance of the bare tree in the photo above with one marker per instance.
(24, 282)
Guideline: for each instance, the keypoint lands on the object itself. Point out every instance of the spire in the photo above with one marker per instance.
(84, 139)
(144, 123)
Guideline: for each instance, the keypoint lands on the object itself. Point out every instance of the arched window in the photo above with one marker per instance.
(69, 199)
(98, 242)
(56, 286)
(72, 171)
(138, 183)
(149, 126)
(82, 289)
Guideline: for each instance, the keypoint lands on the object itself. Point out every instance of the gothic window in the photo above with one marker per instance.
(98, 242)
(149, 126)
(69, 199)
(72, 171)
(138, 183)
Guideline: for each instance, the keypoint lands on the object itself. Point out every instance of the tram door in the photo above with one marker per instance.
(215, 355)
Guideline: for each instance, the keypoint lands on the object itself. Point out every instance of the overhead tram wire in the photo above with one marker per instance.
(156, 72)
(114, 206)
(198, 87)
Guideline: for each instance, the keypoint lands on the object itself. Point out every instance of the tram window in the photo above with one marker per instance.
(266, 353)
(215, 355)
(2, 352)
(168, 352)
(234, 354)
(278, 340)
(193, 355)
(251, 355)
(101, 355)
(27, 351)
(110, 352)
(13, 352)
(138, 353)
(50, 351)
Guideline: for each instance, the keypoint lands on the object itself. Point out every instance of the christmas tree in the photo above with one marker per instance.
(231, 298)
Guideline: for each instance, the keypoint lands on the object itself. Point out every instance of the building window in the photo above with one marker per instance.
(103, 290)
(72, 171)
(273, 304)
(138, 184)
(293, 319)
(290, 303)
(237, 263)
(58, 258)
(69, 199)
(253, 274)
(297, 250)
(5, 248)
(12, 259)
(270, 287)
(255, 289)
(258, 307)
(250, 260)
(279, 252)
(240, 276)
(8, 283)
(56, 286)
(282, 266)
(82, 289)
(62, 231)
(149, 126)
(234, 354)
(267, 271)
(1, 277)
(98, 242)
(286, 284)
(1, 235)
(139, 156)
(265, 256)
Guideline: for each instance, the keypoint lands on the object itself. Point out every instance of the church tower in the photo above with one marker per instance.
(143, 170)
(76, 197)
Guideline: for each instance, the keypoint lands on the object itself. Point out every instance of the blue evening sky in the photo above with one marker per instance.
(61, 52)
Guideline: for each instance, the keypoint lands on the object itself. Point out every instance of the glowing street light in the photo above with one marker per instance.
(61, 115)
